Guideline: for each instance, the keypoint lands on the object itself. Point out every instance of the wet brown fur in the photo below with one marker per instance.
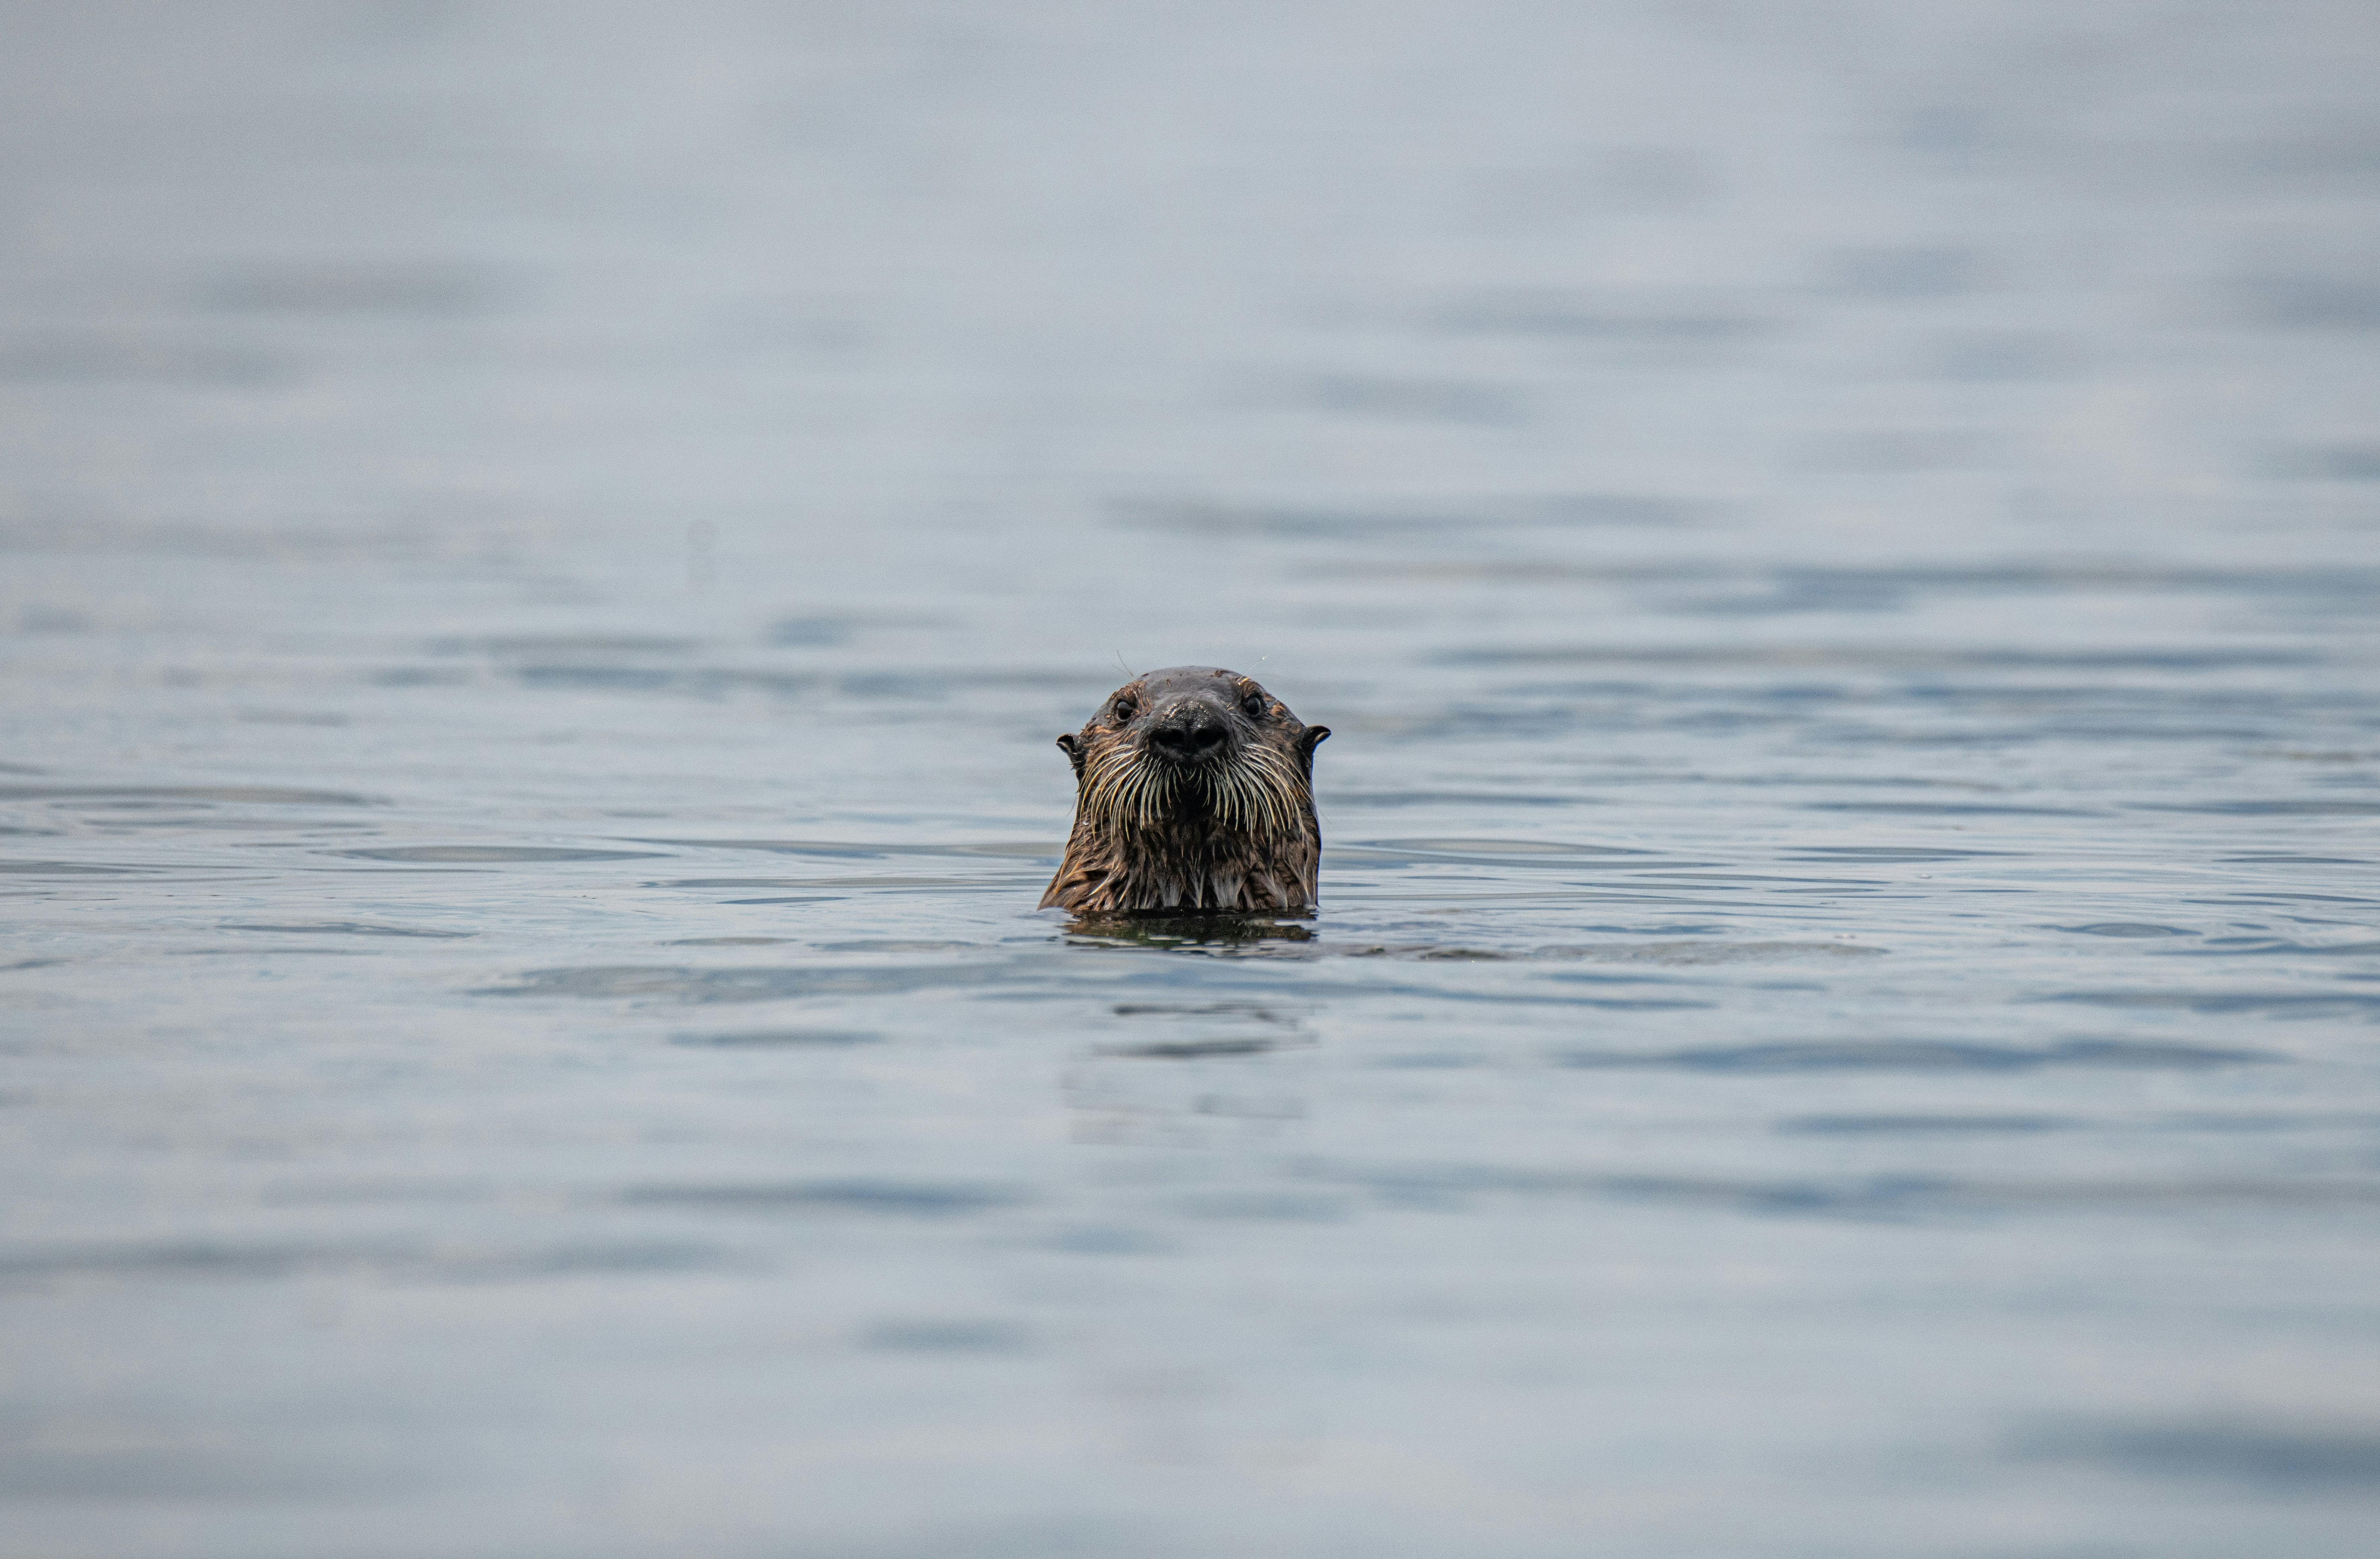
(1233, 832)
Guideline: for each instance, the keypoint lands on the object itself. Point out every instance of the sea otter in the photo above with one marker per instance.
(1194, 790)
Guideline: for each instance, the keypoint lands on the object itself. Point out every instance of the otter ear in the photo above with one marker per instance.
(1074, 751)
(1314, 737)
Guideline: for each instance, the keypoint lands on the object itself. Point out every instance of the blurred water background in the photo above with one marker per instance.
(542, 550)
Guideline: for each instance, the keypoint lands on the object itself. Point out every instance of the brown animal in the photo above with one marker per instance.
(1194, 790)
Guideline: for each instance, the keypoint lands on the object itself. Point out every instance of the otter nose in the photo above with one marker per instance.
(1188, 736)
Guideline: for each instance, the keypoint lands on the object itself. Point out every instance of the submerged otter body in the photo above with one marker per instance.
(1194, 790)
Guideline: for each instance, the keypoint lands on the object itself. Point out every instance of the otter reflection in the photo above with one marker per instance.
(1194, 792)
(1207, 929)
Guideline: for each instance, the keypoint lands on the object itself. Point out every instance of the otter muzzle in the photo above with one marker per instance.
(1189, 735)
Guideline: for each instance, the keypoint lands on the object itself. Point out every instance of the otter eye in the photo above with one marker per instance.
(1255, 705)
(1124, 708)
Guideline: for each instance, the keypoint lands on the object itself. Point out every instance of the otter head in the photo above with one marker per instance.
(1194, 790)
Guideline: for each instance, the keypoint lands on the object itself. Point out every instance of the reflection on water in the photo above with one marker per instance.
(1176, 933)
(541, 559)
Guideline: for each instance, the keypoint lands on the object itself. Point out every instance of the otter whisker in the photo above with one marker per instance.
(1259, 794)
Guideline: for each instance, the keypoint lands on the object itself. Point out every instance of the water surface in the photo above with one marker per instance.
(542, 554)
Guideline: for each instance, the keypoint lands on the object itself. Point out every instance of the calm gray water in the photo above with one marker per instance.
(541, 554)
